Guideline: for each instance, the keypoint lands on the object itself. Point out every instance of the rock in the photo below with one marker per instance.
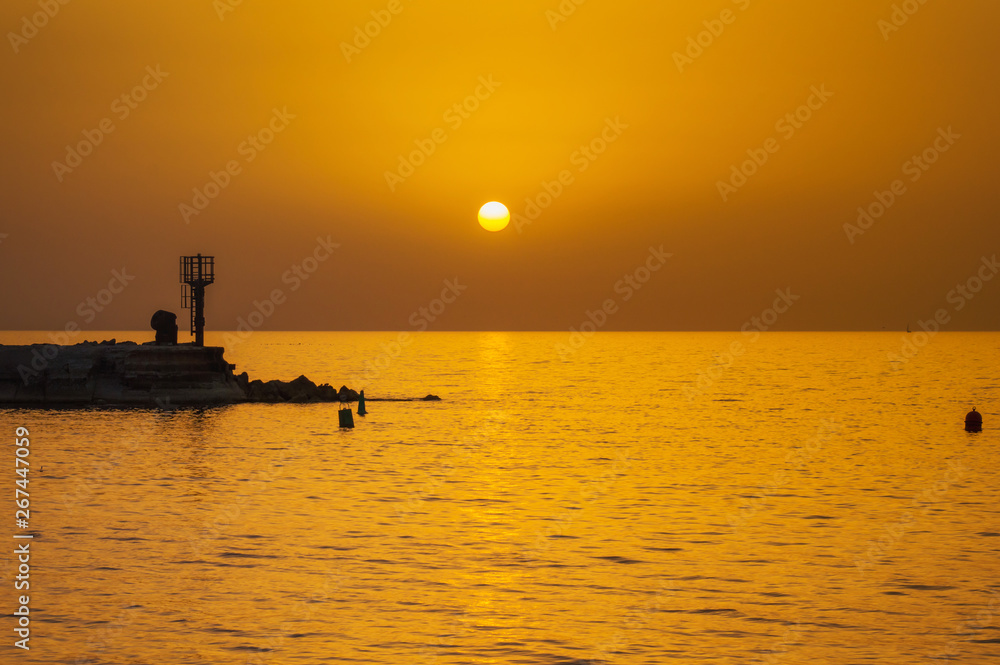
(258, 391)
(165, 325)
(275, 391)
(430, 398)
(345, 394)
(301, 390)
(253, 389)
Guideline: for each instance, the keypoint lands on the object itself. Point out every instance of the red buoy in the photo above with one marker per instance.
(974, 421)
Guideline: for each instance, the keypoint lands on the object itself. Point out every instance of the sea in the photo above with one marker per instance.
(636, 498)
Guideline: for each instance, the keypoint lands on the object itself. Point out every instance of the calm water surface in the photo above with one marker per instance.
(632, 502)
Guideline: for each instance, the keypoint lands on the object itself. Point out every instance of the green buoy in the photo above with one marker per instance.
(346, 417)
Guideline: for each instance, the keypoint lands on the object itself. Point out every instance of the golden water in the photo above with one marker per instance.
(815, 503)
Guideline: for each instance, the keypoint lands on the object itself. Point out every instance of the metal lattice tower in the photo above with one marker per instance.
(197, 272)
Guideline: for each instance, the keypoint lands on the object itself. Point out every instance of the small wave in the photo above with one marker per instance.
(715, 610)
(618, 559)
(253, 649)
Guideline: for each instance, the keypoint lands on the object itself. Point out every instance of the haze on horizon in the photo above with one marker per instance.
(501, 102)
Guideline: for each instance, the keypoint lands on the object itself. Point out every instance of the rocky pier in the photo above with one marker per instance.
(115, 373)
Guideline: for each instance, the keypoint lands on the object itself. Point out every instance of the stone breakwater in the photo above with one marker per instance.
(129, 374)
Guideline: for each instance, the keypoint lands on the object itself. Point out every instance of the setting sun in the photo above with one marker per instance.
(494, 216)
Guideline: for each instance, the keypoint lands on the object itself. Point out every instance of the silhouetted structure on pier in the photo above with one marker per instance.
(197, 272)
(165, 325)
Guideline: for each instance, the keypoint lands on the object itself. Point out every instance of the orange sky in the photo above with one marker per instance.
(330, 114)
